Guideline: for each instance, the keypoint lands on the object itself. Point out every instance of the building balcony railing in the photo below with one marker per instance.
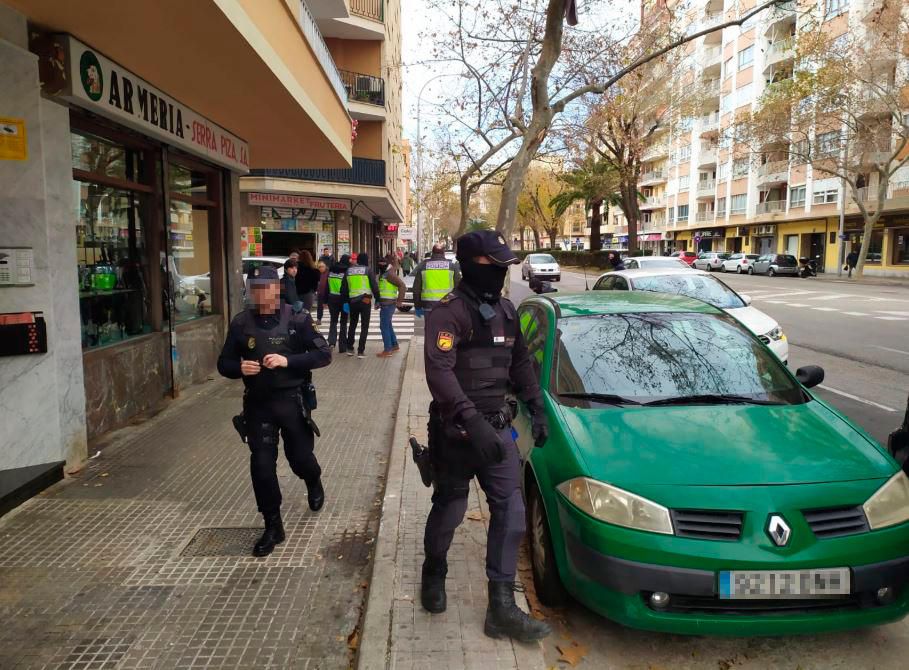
(653, 202)
(712, 57)
(656, 150)
(711, 19)
(653, 177)
(317, 43)
(781, 13)
(707, 186)
(898, 189)
(773, 172)
(712, 88)
(779, 51)
(770, 207)
(707, 157)
(364, 88)
(364, 172)
(368, 9)
(704, 217)
(710, 123)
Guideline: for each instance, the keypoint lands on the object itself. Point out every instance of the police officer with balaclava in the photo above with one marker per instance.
(475, 354)
(274, 350)
(434, 278)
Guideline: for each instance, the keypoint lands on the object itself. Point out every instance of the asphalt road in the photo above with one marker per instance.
(859, 334)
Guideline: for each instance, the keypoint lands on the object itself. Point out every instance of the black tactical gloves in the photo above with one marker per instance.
(539, 426)
(485, 439)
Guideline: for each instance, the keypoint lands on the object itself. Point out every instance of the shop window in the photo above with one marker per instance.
(791, 244)
(901, 246)
(113, 267)
(875, 248)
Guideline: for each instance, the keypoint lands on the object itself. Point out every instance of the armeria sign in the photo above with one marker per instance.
(99, 84)
(297, 201)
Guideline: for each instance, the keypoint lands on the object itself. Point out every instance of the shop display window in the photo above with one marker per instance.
(190, 269)
(875, 248)
(901, 246)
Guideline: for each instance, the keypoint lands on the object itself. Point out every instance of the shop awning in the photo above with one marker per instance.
(258, 69)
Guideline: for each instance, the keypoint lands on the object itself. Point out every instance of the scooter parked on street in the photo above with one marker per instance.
(808, 267)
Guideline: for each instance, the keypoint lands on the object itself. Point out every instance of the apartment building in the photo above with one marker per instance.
(698, 195)
(349, 209)
(127, 126)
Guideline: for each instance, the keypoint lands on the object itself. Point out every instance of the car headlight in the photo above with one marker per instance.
(614, 505)
(776, 334)
(890, 504)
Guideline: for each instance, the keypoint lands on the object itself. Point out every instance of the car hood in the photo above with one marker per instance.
(722, 445)
(753, 319)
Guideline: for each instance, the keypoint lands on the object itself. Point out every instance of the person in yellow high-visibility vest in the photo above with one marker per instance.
(391, 296)
(434, 278)
(358, 289)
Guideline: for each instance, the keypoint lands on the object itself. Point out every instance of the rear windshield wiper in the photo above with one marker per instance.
(712, 399)
(605, 398)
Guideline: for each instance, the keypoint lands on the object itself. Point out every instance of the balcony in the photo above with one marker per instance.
(653, 202)
(368, 9)
(780, 52)
(653, 177)
(365, 172)
(710, 125)
(704, 217)
(770, 207)
(655, 151)
(364, 88)
(780, 15)
(711, 90)
(711, 19)
(712, 60)
(365, 20)
(314, 37)
(707, 157)
(773, 172)
(706, 189)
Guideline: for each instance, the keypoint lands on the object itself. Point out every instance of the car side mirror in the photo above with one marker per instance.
(810, 375)
(746, 299)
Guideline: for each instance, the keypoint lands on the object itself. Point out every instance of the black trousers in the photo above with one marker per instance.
(336, 310)
(501, 482)
(266, 418)
(320, 307)
(359, 311)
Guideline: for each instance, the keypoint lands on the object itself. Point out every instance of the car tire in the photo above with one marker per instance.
(750, 270)
(771, 272)
(708, 268)
(546, 580)
(738, 269)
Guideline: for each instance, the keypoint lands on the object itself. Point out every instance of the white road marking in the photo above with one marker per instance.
(896, 351)
(856, 398)
(796, 304)
(835, 296)
(855, 313)
(825, 309)
(892, 318)
(777, 302)
(881, 311)
(788, 294)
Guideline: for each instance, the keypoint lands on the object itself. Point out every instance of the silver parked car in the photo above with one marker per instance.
(775, 264)
(710, 260)
(541, 266)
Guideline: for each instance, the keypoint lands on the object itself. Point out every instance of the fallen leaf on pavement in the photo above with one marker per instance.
(353, 640)
(105, 474)
(572, 653)
(475, 515)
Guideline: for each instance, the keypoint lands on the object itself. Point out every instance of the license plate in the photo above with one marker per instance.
(781, 584)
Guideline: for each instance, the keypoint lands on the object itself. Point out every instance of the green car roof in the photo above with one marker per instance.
(593, 303)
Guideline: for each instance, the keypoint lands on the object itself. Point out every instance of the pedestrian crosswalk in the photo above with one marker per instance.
(403, 323)
(821, 301)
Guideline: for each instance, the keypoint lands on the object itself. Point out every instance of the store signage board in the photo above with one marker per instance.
(102, 86)
(13, 139)
(297, 201)
(407, 233)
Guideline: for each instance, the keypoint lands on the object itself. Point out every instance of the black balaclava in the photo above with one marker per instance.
(363, 258)
(383, 265)
(487, 281)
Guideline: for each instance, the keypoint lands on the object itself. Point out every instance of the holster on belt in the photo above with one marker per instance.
(306, 412)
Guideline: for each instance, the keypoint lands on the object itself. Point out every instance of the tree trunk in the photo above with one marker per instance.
(537, 244)
(464, 199)
(553, 233)
(629, 207)
(596, 221)
(870, 220)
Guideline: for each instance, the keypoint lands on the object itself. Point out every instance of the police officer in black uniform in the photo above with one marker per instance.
(274, 351)
(474, 354)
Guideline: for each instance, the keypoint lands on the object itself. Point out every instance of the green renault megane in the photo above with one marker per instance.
(693, 484)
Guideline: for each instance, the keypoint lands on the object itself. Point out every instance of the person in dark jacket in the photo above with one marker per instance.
(614, 258)
(852, 261)
(307, 279)
(358, 290)
(336, 304)
(289, 286)
(321, 291)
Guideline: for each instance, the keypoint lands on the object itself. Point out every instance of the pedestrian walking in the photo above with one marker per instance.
(434, 278)
(289, 285)
(321, 292)
(274, 351)
(336, 305)
(391, 296)
(474, 353)
(357, 291)
(307, 280)
(326, 257)
(407, 263)
(852, 261)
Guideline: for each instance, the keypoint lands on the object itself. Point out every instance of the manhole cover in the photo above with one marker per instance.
(222, 542)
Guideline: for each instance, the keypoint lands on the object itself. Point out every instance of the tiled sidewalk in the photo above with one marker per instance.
(142, 560)
(398, 633)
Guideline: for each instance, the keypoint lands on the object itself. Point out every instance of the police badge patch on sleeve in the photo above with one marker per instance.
(251, 343)
(445, 341)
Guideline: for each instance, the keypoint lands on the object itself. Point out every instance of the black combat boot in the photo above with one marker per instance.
(273, 535)
(432, 588)
(315, 495)
(505, 619)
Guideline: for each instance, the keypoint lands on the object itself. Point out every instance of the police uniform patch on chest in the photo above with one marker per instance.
(251, 343)
(445, 341)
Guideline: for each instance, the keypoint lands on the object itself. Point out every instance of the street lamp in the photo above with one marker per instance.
(420, 183)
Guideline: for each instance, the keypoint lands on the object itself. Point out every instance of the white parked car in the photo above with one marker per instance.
(701, 286)
(740, 263)
(655, 262)
(710, 260)
(277, 262)
(541, 266)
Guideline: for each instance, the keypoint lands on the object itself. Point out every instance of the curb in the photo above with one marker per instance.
(375, 642)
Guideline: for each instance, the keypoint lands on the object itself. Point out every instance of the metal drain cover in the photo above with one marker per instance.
(222, 542)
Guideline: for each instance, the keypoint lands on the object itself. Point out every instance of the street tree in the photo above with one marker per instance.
(841, 113)
(595, 184)
(542, 188)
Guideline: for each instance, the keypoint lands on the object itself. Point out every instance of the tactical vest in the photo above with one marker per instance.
(484, 359)
(259, 342)
(335, 279)
(357, 281)
(388, 292)
(437, 279)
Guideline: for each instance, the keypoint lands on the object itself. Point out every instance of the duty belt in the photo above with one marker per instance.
(500, 420)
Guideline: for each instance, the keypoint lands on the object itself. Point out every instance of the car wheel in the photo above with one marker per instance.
(738, 269)
(546, 579)
(751, 271)
(708, 268)
(771, 272)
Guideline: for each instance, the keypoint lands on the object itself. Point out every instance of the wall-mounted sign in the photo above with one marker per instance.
(13, 140)
(16, 266)
(407, 233)
(99, 84)
(297, 201)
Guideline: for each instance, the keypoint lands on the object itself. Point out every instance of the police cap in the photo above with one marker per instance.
(264, 274)
(485, 243)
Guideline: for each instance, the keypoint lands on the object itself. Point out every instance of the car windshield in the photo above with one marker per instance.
(698, 286)
(666, 358)
(665, 262)
(542, 258)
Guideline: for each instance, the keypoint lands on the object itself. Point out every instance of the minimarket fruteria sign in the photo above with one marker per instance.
(297, 201)
(104, 87)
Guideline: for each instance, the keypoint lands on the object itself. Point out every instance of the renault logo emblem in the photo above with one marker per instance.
(778, 530)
